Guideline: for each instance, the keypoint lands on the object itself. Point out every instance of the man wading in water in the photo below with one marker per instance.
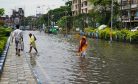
(32, 43)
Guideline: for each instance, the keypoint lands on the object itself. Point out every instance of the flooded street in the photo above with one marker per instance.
(106, 63)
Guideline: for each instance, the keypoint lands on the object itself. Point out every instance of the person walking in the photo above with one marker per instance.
(18, 35)
(83, 46)
(32, 42)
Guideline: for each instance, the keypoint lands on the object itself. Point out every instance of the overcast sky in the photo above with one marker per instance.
(31, 7)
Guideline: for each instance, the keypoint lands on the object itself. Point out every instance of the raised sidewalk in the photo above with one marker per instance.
(16, 69)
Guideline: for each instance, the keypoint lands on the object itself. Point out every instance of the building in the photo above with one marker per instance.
(2, 20)
(86, 7)
(5, 21)
(17, 16)
(76, 7)
(129, 10)
(80, 6)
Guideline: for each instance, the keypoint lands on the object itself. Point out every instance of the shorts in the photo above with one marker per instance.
(18, 44)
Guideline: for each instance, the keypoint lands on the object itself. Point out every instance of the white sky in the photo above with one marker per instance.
(30, 6)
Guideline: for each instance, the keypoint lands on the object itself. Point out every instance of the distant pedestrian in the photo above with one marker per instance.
(18, 35)
(83, 46)
(32, 42)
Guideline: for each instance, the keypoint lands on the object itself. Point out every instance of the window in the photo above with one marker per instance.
(136, 14)
(74, 1)
(76, 7)
(85, 10)
(85, 3)
(133, 1)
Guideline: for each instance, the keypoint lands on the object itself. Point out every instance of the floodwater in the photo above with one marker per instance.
(58, 63)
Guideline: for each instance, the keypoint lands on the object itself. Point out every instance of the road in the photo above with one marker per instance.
(106, 63)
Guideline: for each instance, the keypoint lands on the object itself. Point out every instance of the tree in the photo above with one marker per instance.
(66, 23)
(102, 10)
(55, 14)
(1, 11)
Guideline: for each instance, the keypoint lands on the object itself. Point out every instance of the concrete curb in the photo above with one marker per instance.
(33, 72)
(4, 55)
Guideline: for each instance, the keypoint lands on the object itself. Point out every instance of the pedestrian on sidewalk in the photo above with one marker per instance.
(32, 42)
(18, 35)
(83, 46)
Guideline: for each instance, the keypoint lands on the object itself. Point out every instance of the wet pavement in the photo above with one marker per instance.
(16, 69)
(58, 63)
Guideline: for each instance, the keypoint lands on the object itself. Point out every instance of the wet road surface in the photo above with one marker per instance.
(106, 63)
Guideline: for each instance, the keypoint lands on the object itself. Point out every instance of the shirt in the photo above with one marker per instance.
(18, 34)
(32, 40)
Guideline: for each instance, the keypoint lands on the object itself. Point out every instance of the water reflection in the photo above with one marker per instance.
(33, 59)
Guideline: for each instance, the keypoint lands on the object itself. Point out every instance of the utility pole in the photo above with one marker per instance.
(129, 1)
(66, 18)
(48, 18)
(66, 22)
(111, 21)
(121, 15)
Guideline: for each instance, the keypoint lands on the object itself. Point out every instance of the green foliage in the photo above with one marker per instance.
(62, 22)
(1, 23)
(89, 29)
(105, 34)
(56, 14)
(1, 11)
(2, 43)
(101, 2)
(102, 11)
(119, 35)
(134, 37)
(4, 33)
(79, 21)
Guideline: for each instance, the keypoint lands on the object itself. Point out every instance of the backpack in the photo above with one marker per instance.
(34, 38)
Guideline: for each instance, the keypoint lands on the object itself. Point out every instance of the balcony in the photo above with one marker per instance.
(136, 18)
(133, 6)
(127, 19)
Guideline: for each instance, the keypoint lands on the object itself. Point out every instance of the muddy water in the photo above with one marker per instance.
(106, 63)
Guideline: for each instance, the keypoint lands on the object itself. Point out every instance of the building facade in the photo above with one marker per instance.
(80, 6)
(129, 10)
(17, 16)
